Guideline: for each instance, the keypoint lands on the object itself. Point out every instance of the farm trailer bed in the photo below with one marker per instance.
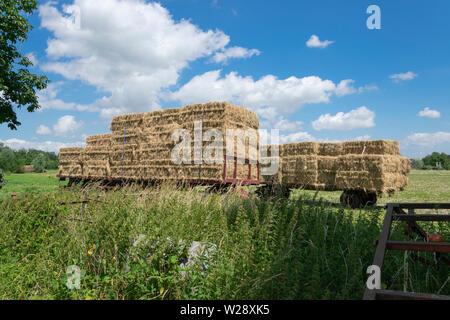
(218, 183)
(396, 212)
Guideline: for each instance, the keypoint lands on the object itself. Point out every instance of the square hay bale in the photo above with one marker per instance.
(330, 149)
(127, 121)
(299, 149)
(373, 163)
(382, 147)
(99, 141)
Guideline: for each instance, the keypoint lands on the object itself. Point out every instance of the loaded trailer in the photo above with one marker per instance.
(217, 144)
(363, 170)
(204, 144)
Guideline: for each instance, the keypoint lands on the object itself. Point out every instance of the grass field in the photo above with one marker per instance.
(423, 186)
(260, 248)
(27, 183)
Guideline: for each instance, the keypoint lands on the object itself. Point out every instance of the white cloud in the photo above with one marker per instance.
(314, 42)
(300, 136)
(268, 94)
(234, 52)
(428, 139)
(132, 50)
(43, 130)
(403, 76)
(51, 146)
(345, 87)
(367, 87)
(355, 119)
(66, 125)
(429, 113)
(47, 100)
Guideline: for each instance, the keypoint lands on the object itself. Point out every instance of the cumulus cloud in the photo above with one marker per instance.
(267, 95)
(48, 100)
(43, 130)
(51, 146)
(314, 42)
(234, 52)
(428, 139)
(300, 136)
(355, 119)
(429, 113)
(132, 50)
(66, 125)
(398, 77)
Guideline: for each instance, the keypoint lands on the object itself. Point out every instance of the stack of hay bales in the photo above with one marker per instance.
(71, 162)
(159, 126)
(374, 166)
(140, 146)
(96, 162)
(125, 152)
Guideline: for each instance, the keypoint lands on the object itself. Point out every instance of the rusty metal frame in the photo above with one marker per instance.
(395, 212)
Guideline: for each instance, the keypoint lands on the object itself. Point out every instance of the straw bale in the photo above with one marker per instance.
(384, 182)
(373, 163)
(99, 141)
(330, 149)
(296, 149)
(127, 121)
(383, 147)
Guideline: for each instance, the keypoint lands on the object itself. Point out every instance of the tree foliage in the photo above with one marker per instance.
(17, 84)
(434, 161)
(13, 161)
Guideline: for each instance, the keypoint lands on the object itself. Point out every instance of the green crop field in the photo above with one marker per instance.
(257, 248)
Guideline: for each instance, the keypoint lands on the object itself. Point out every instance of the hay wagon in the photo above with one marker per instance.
(140, 149)
(363, 170)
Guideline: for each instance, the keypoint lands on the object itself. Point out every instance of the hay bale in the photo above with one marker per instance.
(381, 147)
(370, 165)
(330, 149)
(99, 141)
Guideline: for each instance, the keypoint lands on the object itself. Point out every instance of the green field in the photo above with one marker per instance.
(261, 248)
(27, 183)
(423, 186)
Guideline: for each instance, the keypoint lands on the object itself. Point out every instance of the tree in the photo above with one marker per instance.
(17, 84)
(39, 163)
(437, 161)
(2, 182)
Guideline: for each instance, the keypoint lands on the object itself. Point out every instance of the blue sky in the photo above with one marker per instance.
(309, 68)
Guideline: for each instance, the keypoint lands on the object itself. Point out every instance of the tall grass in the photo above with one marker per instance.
(264, 249)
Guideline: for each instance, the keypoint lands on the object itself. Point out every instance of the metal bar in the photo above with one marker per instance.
(381, 248)
(235, 168)
(399, 295)
(224, 173)
(436, 205)
(421, 217)
(201, 149)
(412, 224)
(124, 141)
(419, 246)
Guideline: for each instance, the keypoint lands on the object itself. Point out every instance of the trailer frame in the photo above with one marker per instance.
(396, 212)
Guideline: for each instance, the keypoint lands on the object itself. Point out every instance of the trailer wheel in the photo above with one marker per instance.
(273, 190)
(356, 198)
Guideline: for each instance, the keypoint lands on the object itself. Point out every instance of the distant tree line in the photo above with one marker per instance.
(14, 161)
(434, 161)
